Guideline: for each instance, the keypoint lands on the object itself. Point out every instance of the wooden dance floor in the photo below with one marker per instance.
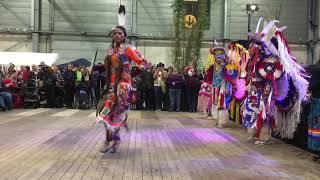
(64, 144)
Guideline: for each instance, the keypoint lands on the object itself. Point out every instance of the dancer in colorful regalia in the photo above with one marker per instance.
(276, 85)
(234, 74)
(221, 89)
(114, 107)
(205, 93)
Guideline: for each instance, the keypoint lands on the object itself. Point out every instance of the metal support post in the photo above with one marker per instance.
(36, 21)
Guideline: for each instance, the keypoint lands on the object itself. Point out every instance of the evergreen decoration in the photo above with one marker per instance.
(188, 40)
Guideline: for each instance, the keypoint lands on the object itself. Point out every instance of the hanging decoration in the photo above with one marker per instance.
(121, 14)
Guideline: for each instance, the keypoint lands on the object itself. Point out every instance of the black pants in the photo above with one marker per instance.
(158, 97)
(149, 99)
(51, 96)
(192, 98)
(69, 95)
(140, 99)
(166, 100)
(59, 97)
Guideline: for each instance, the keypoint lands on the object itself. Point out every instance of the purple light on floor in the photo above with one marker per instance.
(212, 136)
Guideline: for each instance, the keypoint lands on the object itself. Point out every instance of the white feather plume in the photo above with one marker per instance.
(267, 29)
(292, 69)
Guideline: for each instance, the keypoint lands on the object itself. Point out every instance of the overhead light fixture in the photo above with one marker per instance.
(251, 8)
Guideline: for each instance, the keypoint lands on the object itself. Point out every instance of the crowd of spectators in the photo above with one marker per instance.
(55, 87)
(166, 89)
(156, 88)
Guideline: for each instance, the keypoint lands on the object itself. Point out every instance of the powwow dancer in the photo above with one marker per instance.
(221, 93)
(276, 84)
(114, 107)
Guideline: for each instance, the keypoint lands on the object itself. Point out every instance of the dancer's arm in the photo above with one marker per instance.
(132, 55)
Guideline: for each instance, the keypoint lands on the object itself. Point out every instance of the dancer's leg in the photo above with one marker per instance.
(116, 138)
(107, 143)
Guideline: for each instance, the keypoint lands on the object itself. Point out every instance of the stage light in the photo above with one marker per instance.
(251, 8)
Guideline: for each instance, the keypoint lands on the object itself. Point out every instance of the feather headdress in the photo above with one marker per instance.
(274, 43)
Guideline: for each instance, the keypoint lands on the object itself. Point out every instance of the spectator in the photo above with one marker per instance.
(192, 89)
(78, 75)
(101, 79)
(1, 76)
(11, 69)
(92, 83)
(139, 83)
(20, 81)
(49, 82)
(58, 86)
(24, 73)
(159, 87)
(69, 85)
(175, 83)
(5, 99)
(34, 74)
(148, 90)
(9, 82)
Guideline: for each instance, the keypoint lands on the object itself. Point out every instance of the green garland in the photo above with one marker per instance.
(187, 44)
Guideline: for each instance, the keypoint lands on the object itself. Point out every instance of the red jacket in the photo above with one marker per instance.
(8, 81)
(25, 75)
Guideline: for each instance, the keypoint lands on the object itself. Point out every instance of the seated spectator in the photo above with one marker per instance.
(20, 81)
(5, 99)
(10, 85)
(24, 73)
(2, 105)
(11, 69)
(34, 74)
(9, 82)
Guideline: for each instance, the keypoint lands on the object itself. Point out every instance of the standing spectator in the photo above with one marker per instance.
(69, 85)
(159, 88)
(175, 84)
(95, 86)
(49, 82)
(192, 88)
(166, 98)
(78, 75)
(140, 86)
(92, 84)
(58, 86)
(101, 80)
(149, 89)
